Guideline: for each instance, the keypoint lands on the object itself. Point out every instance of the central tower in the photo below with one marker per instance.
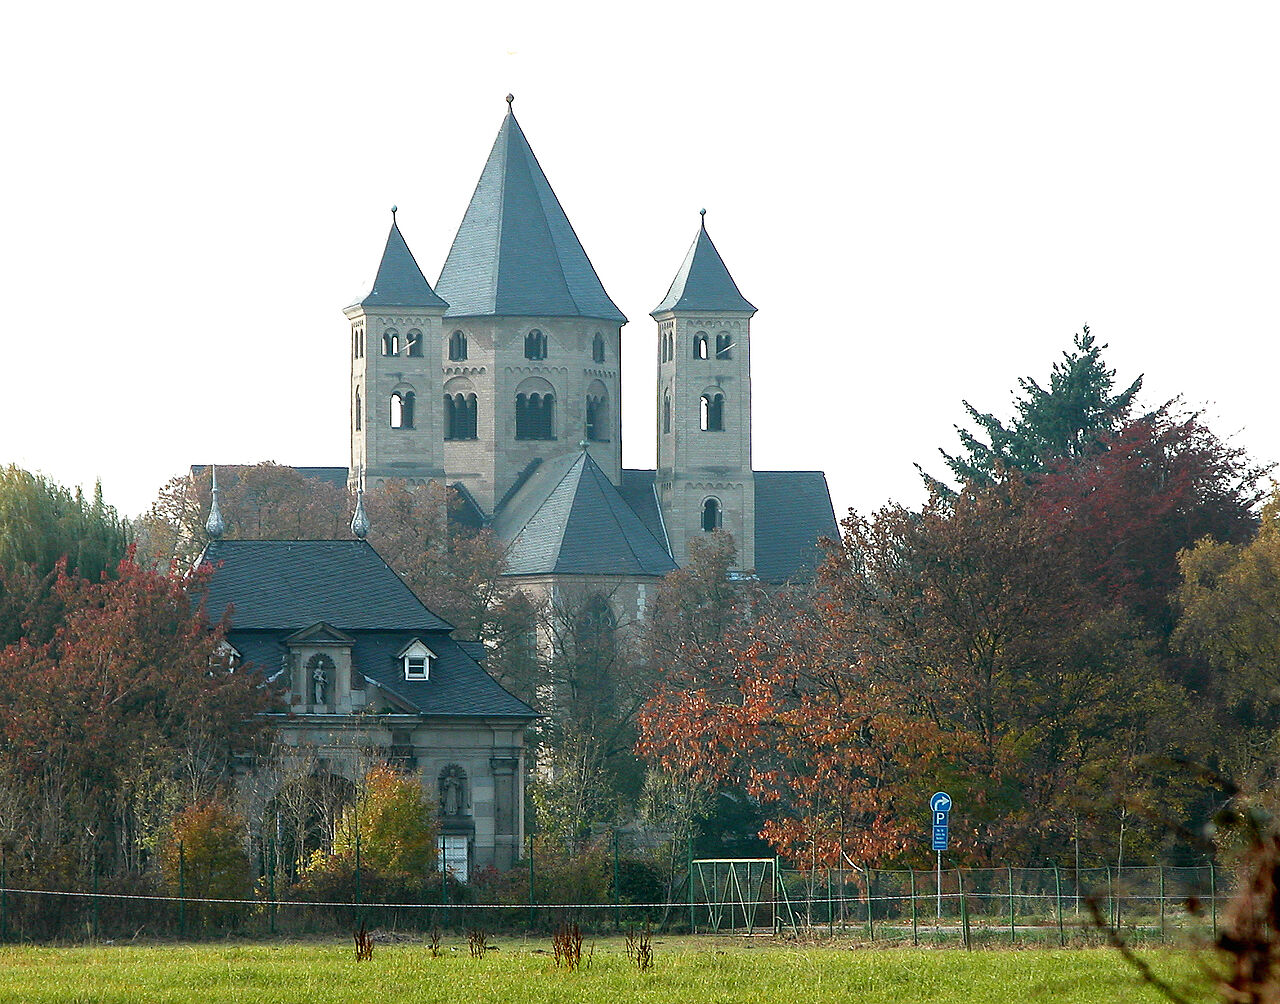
(531, 343)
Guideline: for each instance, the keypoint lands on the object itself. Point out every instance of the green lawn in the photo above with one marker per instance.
(700, 970)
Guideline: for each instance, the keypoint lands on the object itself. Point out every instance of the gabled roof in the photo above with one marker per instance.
(569, 519)
(703, 282)
(290, 584)
(399, 282)
(515, 254)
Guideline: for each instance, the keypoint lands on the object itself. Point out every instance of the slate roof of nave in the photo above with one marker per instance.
(516, 253)
(569, 519)
(400, 282)
(793, 512)
(703, 281)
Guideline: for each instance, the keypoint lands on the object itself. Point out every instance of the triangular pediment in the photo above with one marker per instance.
(319, 634)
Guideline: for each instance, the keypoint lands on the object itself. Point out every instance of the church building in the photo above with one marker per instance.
(504, 381)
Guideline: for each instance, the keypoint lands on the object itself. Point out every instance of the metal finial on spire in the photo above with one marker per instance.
(214, 526)
(360, 522)
(393, 213)
(510, 99)
(703, 214)
(582, 445)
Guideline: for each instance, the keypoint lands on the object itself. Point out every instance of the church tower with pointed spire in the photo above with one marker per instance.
(395, 405)
(532, 342)
(704, 480)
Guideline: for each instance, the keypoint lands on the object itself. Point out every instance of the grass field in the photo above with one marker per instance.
(702, 970)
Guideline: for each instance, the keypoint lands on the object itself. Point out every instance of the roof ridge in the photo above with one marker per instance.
(609, 494)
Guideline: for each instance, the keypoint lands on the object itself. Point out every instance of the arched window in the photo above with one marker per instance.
(535, 416)
(597, 348)
(710, 514)
(700, 345)
(390, 342)
(666, 411)
(671, 346)
(457, 346)
(597, 413)
(535, 345)
(414, 340)
(359, 410)
(724, 344)
(711, 412)
(402, 409)
(460, 416)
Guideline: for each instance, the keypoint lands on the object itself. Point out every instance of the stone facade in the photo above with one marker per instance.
(704, 478)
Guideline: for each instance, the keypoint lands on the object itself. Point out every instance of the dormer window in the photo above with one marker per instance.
(416, 660)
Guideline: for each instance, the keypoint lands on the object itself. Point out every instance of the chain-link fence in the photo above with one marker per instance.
(1037, 905)
(1048, 905)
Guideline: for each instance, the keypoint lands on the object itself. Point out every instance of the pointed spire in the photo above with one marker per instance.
(214, 526)
(360, 522)
(400, 282)
(703, 282)
(516, 254)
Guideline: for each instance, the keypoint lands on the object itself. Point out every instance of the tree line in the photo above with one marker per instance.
(1082, 607)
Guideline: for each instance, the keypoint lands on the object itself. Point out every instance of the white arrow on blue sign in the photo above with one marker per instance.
(940, 809)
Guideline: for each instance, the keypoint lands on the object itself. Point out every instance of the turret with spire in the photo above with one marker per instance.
(396, 346)
(704, 478)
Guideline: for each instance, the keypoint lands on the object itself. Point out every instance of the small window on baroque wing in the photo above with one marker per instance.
(416, 660)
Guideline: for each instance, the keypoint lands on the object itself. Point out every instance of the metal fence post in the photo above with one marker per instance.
(915, 927)
(831, 912)
(271, 885)
(1161, 869)
(964, 910)
(94, 866)
(871, 910)
(4, 893)
(1013, 936)
(617, 900)
(1213, 899)
(1057, 888)
(1110, 900)
(182, 889)
(689, 859)
(357, 924)
(533, 909)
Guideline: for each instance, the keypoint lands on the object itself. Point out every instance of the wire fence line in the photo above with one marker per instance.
(1157, 902)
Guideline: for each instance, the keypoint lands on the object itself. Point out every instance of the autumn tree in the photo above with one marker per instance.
(1229, 601)
(1070, 418)
(204, 857)
(132, 695)
(395, 821)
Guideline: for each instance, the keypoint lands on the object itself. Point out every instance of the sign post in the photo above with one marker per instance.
(940, 818)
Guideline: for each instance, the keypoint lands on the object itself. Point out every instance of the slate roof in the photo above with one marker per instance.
(399, 282)
(279, 587)
(703, 282)
(515, 254)
(793, 512)
(278, 584)
(569, 519)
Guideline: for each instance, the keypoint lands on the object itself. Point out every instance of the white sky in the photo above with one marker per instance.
(924, 200)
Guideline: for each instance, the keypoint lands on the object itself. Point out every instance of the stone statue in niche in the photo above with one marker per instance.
(320, 666)
(453, 791)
